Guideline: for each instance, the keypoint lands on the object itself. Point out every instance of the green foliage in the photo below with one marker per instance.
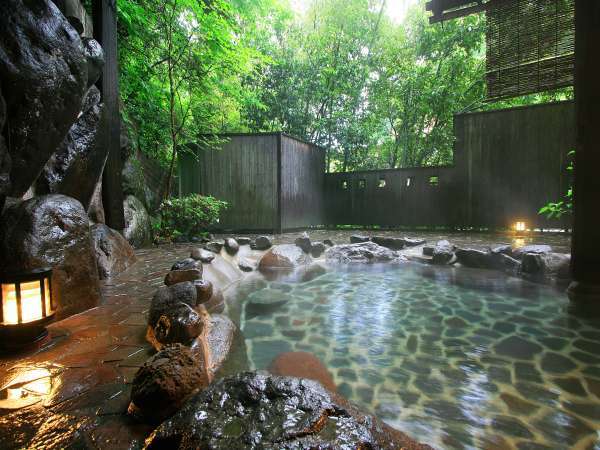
(343, 75)
(555, 210)
(188, 216)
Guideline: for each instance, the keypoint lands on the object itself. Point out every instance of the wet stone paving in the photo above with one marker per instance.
(457, 357)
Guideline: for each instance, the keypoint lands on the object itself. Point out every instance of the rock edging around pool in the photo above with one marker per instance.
(176, 388)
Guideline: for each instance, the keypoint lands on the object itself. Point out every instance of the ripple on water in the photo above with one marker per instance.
(459, 358)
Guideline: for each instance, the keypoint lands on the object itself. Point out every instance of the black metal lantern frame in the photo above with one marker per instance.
(26, 307)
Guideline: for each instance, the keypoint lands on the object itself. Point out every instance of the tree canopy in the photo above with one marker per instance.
(343, 75)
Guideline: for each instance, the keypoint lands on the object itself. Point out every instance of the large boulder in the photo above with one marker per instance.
(165, 382)
(303, 242)
(231, 246)
(393, 243)
(44, 76)
(113, 253)
(302, 365)
(537, 249)
(546, 266)
(285, 256)
(477, 259)
(443, 253)
(256, 410)
(76, 166)
(4, 156)
(53, 231)
(363, 252)
(138, 230)
(261, 243)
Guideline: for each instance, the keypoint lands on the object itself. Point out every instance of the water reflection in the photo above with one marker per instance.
(473, 357)
(28, 385)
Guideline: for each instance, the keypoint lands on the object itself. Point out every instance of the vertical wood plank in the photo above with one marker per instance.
(105, 32)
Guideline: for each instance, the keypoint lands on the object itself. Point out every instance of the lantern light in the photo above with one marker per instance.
(520, 226)
(26, 306)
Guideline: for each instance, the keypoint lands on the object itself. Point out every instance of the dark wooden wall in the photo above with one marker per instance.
(512, 162)
(396, 203)
(508, 164)
(302, 183)
(244, 173)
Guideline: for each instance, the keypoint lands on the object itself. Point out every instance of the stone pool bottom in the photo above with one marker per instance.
(459, 358)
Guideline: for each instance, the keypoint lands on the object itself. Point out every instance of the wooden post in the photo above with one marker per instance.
(585, 262)
(105, 32)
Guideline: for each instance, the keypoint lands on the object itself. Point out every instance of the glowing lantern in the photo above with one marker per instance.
(520, 226)
(26, 307)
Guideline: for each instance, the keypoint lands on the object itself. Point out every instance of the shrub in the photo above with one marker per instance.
(555, 210)
(188, 216)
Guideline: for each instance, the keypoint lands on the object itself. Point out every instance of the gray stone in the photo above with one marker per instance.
(202, 255)
(76, 166)
(204, 291)
(357, 239)
(262, 243)
(428, 251)
(53, 231)
(231, 246)
(328, 242)
(138, 230)
(44, 77)
(214, 246)
(413, 242)
(181, 276)
(285, 256)
(113, 253)
(304, 243)
(546, 266)
(94, 56)
(519, 252)
(187, 264)
(443, 253)
(474, 258)
(246, 265)
(361, 252)
(317, 249)
(243, 240)
(393, 243)
(220, 341)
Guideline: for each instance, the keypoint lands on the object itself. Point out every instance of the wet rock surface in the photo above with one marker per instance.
(231, 246)
(317, 249)
(359, 238)
(285, 256)
(443, 253)
(246, 265)
(163, 384)
(393, 243)
(138, 230)
(546, 266)
(367, 252)
(167, 297)
(113, 253)
(5, 162)
(202, 255)
(261, 243)
(183, 275)
(304, 243)
(77, 165)
(44, 76)
(477, 259)
(53, 231)
(180, 324)
(204, 291)
(538, 249)
(219, 340)
(254, 410)
(214, 247)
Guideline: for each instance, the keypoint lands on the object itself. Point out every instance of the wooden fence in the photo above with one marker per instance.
(507, 165)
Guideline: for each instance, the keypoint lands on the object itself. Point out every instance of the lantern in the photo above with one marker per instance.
(26, 306)
(520, 226)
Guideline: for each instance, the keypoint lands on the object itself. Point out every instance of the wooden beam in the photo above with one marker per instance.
(105, 32)
(585, 246)
(451, 9)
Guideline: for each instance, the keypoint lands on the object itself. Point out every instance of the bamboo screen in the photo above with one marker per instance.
(530, 46)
